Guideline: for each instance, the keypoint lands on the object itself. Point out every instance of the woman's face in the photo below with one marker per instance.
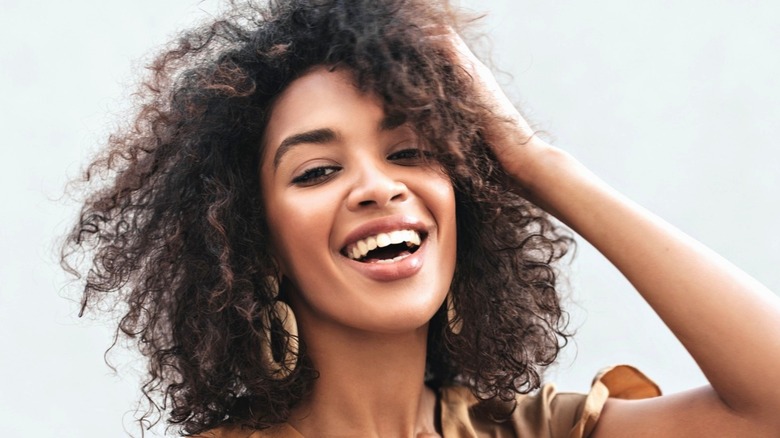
(362, 227)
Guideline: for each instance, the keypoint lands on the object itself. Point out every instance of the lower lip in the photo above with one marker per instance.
(399, 270)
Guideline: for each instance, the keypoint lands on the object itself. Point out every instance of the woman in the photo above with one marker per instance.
(318, 225)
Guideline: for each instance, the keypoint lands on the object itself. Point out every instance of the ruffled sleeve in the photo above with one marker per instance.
(623, 382)
(547, 413)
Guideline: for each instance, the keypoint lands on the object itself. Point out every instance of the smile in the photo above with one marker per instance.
(387, 247)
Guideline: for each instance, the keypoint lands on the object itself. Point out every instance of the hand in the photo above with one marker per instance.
(509, 135)
(526, 158)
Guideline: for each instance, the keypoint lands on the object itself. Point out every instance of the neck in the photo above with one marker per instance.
(370, 385)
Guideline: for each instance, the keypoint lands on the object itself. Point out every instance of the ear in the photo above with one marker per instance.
(282, 274)
(279, 268)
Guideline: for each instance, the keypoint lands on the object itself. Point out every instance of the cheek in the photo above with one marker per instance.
(441, 203)
(300, 228)
(442, 195)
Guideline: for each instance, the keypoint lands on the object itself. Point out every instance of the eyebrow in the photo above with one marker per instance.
(327, 135)
(316, 136)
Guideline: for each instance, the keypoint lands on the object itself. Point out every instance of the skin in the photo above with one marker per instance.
(735, 336)
(366, 336)
(370, 346)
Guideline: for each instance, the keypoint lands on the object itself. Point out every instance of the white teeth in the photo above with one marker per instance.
(393, 260)
(397, 237)
(383, 240)
(360, 248)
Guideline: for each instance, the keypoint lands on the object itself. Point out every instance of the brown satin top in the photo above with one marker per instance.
(547, 413)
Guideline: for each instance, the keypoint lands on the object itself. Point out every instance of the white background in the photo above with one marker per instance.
(674, 103)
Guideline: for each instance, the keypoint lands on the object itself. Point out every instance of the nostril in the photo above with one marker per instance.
(398, 196)
(376, 190)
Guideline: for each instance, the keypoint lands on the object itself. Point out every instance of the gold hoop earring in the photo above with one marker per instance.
(454, 322)
(283, 312)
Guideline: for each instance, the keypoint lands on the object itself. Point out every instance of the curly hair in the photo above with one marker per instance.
(175, 236)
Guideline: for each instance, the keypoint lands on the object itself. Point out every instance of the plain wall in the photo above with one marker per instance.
(674, 103)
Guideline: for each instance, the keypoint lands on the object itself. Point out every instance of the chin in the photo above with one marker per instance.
(399, 319)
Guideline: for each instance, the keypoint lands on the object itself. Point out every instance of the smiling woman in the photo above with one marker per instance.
(266, 151)
(359, 183)
(320, 225)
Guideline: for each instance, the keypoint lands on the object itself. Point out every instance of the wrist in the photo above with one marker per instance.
(539, 165)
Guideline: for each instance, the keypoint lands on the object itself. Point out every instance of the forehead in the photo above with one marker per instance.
(320, 98)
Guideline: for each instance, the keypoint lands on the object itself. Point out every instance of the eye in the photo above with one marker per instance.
(410, 156)
(314, 175)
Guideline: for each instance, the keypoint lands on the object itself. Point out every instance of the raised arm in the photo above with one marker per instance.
(727, 321)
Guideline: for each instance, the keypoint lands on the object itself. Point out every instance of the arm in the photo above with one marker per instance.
(727, 320)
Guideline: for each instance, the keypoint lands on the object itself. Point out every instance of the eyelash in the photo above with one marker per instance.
(315, 175)
(416, 155)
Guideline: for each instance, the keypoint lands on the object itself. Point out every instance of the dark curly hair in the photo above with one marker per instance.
(174, 232)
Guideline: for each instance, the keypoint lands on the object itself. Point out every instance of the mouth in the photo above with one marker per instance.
(389, 247)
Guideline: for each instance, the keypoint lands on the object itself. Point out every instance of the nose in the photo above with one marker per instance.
(376, 187)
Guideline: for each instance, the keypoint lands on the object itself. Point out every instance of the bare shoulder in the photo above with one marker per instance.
(229, 431)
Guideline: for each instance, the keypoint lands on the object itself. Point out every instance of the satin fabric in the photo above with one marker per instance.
(545, 414)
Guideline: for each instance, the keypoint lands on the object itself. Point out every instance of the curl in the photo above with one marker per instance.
(176, 237)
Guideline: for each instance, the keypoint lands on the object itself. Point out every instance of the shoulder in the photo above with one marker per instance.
(546, 413)
(229, 431)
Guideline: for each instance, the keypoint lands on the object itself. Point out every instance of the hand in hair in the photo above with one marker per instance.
(509, 135)
(726, 320)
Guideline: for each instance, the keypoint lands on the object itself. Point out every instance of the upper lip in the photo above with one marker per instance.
(384, 225)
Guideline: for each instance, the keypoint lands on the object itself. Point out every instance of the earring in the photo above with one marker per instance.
(283, 313)
(454, 322)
